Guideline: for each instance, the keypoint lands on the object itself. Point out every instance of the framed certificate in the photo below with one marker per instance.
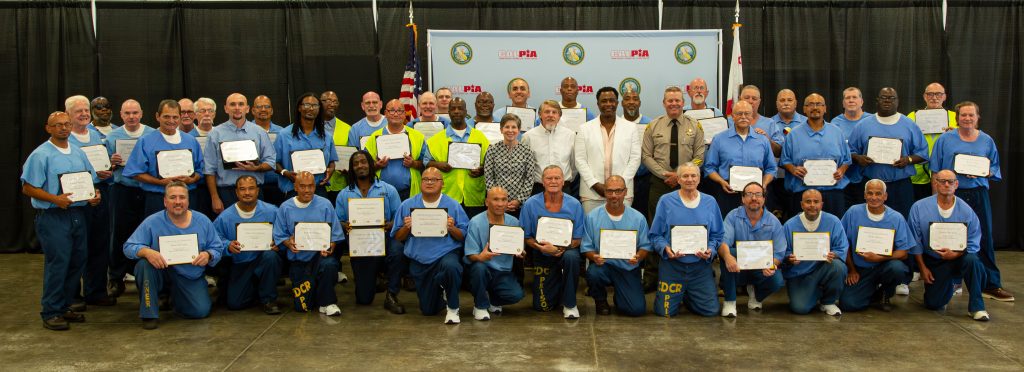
(754, 254)
(506, 239)
(491, 130)
(344, 156)
(819, 172)
(174, 163)
(689, 239)
(700, 114)
(527, 116)
(429, 222)
(618, 244)
(811, 246)
(971, 165)
(311, 161)
(557, 231)
(235, 151)
(366, 212)
(740, 176)
(393, 146)
(573, 118)
(97, 155)
(179, 249)
(429, 128)
(932, 121)
(875, 240)
(255, 236)
(366, 242)
(78, 184)
(312, 236)
(948, 235)
(124, 147)
(464, 155)
(884, 150)
(713, 126)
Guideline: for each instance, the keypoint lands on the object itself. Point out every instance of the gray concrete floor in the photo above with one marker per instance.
(366, 338)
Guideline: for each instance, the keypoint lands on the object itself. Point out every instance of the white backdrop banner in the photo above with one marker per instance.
(470, 62)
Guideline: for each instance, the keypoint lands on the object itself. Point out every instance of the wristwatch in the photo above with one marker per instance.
(282, 171)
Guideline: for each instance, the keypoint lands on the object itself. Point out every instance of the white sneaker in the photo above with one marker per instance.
(752, 302)
(570, 312)
(981, 316)
(452, 317)
(211, 281)
(903, 290)
(342, 278)
(729, 309)
(129, 278)
(330, 310)
(917, 276)
(958, 289)
(481, 314)
(494, 309)
(831, 309)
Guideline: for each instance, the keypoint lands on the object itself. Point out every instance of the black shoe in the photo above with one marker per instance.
(115, 288)
(603, 308)
(886, 304)
(150, 323)
(408, 284)
(105, 301)
(164, 303)
(56, 323)
(392, 305)
(78, 307)
(271, 309)
(382, 285)
(73, 317)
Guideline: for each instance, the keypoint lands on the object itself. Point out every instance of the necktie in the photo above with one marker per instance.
(673, 154)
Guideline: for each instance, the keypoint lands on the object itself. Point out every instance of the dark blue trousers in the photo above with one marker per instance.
(94, 276)
(689, 284)
(555, 280)
(365, 269)
(254, 281)
(493, 287)
(63, 236)
(978, 199)
(969, 267)
(189, 296)
(824, 284)
(313, 283)
(629, 291)
(882, 277)
(445, 274)
(128, 211)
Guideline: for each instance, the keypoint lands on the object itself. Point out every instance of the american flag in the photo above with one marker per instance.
(412, 81)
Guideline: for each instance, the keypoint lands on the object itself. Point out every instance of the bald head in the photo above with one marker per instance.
(698, 92)
(428, 105)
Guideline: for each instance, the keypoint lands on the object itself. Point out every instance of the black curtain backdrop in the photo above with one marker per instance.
(150, 51)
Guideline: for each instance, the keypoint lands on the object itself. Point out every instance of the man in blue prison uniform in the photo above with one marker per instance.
(262, 111)
(490, 274)
(434, 261)
(185, 281)
(815, 281)
(253, 273)
(766, 127)
(853, 114)
(942, 266)
(816, 140)
(221, 176)
(870, 275)
(313, 273)
(362, 182)
(623, 274)
(750, 222)
(60, 223)
(737, 146)
(686, 278)
(698, 92)
(374, 121)
(142, 163)
(556, 268)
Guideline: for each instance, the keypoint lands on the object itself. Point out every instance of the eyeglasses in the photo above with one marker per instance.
(60, 125)
(204, 111)
(945, 182)
(100, 107)
(310, 105)
(743, 114)
(262, 107)
(431, 180)
(754, 194)
(815, 104)
(187, 112)
(614, 191)
(395, 111)
(934, 94)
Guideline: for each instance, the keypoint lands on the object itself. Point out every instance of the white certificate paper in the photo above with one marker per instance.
(700, 114)
(875, 240)
(811, 246)
(819, 172)
(713, 126)
(255, 236)
(428, 128)
(98, 157)
(618, 244)
(884, 150)
(179, 249)
(573, 118)
(689, 239)
(393, 146)
(366, 212)
(506, 239)
(948, 235)
(754, 254)
(366, 242)
(429, 222)
(932, 121)
(557, 231)
(311, 161)
(490, 130)
(464, 155)
(312, 236)
(527, 116)
(203, 141)
(174, 163)
(124, 147)
(78, 184)
(344, 155)
(235, 151)
(971, 165)
(740, 176)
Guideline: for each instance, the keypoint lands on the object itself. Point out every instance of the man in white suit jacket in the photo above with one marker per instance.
(608, 145)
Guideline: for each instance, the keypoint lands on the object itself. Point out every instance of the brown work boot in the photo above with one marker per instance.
(998, 294)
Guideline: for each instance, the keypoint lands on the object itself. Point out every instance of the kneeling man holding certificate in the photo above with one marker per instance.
(494, 238)
(615, 242)
(880, 238)
(815, 257)
(752, 249)
(307, 225)
(177, 237)
(949, 233)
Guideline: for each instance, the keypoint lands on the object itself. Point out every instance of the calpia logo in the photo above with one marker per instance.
(517, 54)
(629, 84)
(466, 89)
(573, 54)
(461, 53)
(685, 52)
(631, 54)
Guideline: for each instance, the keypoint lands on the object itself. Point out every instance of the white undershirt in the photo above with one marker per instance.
(690, 204)
(945, 213)
(136, 133)
(872, 216)
(433, 204)
(245, 215)
(105, 130)
(173, 139)
(83, 138)
(614, 218)
(65, 151)
(375, 124)
(810, 226)
(460, 132)
(202, 133)
(889, 120)
(743, 136)
(301, 204)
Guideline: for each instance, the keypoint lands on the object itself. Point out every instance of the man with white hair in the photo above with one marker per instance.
(188, 117)
(698, 92)
(428, 111)
(206, 111)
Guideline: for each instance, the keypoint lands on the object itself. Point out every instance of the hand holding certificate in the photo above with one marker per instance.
(367, 242)
(506, 239)
(366, 212)
(713, 126)
(740, 177)
(429, 222)
(932, 121)
(393, 146)
(174, 163)
(947, 235)
(884, 150)
(808, 246)
(238, 151)
(618, 244)
(464, 155)
(689, 239)
(754, 255)
(527, 116)
(124, 148)
(311, 161)
(557, 231)
(700, 114)
(344, 155)
(875, 240)
(819, 172)
(255, 236)
(970, 165)
(98, 157)
(179, 249)
(573, 118)
(79, 185)
(312, 236)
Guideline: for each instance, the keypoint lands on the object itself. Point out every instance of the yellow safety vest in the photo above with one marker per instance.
(416, 145)
(341, 129)
(458, 185)
(924, 175)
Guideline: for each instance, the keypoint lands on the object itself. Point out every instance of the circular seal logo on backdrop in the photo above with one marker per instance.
(629, 84)
(573, 54)
(461, 53)
(686, 52)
